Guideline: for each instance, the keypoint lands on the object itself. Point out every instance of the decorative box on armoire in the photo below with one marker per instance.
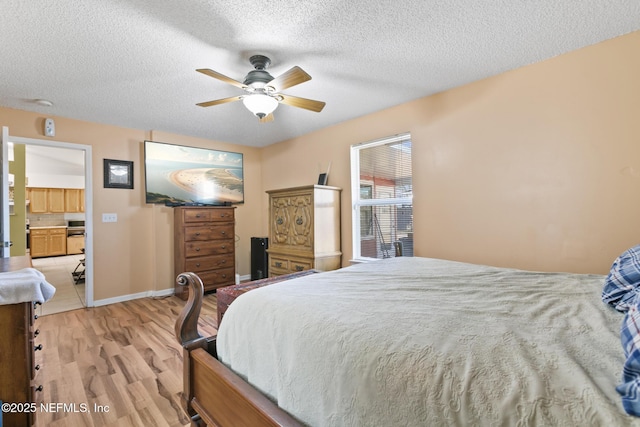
(304, 229)
(204, 244)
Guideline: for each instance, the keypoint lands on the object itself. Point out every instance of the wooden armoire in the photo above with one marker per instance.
(304, 229)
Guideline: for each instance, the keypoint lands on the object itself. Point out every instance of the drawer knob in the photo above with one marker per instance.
(197, 264)
(197, 215)
(223, 232)
(37, 367)
(224, 247)
(37, 332)
(197, 233)
(224, 261)
(299, 220)
(197, 249)
(38, 347)
(299, 268)
(279, 220)
(278, 264)
(35, 316)
(39, 388)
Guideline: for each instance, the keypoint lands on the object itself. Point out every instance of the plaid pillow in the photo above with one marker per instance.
(630, 387)
(623, 282)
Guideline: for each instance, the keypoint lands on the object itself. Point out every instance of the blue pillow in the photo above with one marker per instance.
(623, 282)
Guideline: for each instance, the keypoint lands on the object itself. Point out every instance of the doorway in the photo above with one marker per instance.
(59, 265)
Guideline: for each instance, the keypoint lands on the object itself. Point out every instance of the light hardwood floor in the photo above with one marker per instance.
(123, 358)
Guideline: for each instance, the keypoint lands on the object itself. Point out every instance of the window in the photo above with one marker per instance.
(382, 196)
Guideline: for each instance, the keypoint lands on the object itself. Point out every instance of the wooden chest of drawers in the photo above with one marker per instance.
(205, 244)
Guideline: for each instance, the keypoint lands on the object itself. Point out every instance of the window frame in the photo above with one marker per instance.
(357, 202)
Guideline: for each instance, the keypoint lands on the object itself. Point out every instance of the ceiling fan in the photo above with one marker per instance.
(263, 91)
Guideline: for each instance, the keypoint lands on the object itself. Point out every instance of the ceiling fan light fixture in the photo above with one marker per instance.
(260, 104)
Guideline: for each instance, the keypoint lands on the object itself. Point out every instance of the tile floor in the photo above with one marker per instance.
(57, 271)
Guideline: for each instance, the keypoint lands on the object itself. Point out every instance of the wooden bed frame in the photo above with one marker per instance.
(213, 394)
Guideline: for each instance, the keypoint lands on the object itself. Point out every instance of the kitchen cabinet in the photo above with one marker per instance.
(48, 241)
(74, 200)
(55, 200)
(75, 244)
(38, 200)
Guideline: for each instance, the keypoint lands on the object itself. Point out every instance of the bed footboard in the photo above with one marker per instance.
(213, 394)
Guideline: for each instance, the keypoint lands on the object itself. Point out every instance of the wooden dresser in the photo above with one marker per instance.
(304, 229)
(205, 244)
(18, 368)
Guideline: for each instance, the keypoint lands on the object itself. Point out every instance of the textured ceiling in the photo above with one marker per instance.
(132, 63)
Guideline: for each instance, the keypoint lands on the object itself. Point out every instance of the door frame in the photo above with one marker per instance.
(88, 201)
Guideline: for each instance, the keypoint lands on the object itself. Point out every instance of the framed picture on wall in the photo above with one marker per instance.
(118, 174)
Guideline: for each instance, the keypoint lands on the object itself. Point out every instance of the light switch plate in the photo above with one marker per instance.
(109, 217)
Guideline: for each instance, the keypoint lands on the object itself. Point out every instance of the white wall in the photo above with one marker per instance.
(53, 167)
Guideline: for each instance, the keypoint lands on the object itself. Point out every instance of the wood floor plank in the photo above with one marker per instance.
(122, 359)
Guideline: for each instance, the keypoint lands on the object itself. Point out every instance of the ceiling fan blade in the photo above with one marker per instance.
(307, 104)
(219, 101)
(222, 77)
(266, 119)
(293, 77)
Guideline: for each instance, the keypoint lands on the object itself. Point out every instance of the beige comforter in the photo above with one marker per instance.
(424, 342)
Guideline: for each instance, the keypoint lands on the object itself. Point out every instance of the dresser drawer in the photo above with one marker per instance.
(299, 265)
(221, 214)
(196, 215)
(208, 262)
(278, 263)
(217, 278)
(274, 272)
(208, 232)
(212, 247)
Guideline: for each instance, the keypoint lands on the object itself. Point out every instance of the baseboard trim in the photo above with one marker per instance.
(148, 294)
(123, 298)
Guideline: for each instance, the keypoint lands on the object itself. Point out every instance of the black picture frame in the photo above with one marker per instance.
(118, 174)
(322, 179)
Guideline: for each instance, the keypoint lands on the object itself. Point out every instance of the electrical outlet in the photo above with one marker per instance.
(109, 217)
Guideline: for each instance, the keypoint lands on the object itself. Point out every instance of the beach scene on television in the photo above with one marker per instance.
(178, 174)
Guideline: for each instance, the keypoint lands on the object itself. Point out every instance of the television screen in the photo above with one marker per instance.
(175, 174)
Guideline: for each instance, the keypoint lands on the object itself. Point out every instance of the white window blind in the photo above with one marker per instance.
(382, 196)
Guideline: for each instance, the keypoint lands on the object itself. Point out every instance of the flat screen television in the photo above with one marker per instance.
(175, 174)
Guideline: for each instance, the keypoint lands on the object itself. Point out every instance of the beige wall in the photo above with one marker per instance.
(135, 255)
(537, 168)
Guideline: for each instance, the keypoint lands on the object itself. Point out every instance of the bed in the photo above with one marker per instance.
(409, 341)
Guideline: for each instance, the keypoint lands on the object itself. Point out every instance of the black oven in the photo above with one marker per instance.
(75, 228)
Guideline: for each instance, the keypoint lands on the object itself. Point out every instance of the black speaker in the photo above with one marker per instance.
(259, 259)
